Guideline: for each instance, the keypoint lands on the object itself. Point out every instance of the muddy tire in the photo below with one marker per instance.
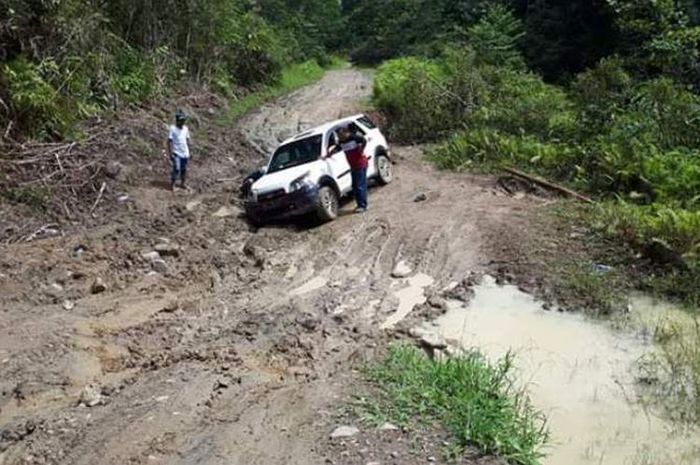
(385, 170)
(327, 204)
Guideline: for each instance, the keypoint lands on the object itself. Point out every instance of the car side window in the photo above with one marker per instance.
(355, 128)
(333, 143)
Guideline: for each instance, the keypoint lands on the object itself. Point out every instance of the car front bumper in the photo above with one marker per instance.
(285, 206)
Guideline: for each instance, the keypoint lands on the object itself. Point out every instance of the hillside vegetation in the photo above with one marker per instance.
(63, 61)
(601, 96)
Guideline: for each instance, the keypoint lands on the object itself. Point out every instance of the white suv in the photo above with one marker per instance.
(309, 173)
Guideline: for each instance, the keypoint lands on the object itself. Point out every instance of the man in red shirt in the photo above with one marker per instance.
(354, 145)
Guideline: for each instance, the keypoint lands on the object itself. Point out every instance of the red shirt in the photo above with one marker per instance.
(354, 148)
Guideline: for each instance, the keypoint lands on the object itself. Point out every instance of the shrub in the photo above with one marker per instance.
(521, 103)
(34, 102)
(488, 149)
(637, 225)
(415, 96)
(600, 94)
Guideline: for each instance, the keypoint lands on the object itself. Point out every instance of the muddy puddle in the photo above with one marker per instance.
(579, 372)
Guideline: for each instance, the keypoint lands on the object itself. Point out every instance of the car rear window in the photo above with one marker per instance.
(366, 122)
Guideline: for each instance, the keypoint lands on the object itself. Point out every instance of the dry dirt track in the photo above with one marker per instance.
(243, 351)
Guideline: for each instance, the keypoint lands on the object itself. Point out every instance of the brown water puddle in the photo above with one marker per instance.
(579, 372)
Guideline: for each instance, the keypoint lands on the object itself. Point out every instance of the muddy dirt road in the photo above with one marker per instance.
(213, 343)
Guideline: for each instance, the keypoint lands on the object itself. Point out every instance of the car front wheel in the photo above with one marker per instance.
(327, 204)
(385, 170)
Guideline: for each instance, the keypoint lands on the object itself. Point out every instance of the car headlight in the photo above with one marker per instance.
(300, 183)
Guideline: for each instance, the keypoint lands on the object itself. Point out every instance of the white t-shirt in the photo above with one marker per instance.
(179, 138)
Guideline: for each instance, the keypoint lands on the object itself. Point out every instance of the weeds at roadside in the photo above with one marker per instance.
(474, 400)
(672, 372)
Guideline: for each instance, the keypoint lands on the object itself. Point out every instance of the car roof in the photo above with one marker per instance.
(322, 129)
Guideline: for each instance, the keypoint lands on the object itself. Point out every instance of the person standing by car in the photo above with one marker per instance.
(179, 150)
(354, 145)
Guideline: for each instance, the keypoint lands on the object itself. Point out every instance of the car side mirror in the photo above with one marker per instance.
(263, 170)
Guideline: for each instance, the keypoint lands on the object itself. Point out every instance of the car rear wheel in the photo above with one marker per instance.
(385, 170)
(327, 204)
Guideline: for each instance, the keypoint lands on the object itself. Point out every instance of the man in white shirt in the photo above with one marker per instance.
(179, 149)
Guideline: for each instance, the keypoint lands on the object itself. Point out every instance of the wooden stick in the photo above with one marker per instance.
(99, 197)
(550, 185)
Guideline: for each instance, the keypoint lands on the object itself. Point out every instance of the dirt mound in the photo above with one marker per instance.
(58, 184)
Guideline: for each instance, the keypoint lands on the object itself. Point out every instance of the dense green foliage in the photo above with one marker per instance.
(474, 399)
(627, 128)
(61, 61)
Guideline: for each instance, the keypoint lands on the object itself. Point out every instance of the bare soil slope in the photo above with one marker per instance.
(232, 345)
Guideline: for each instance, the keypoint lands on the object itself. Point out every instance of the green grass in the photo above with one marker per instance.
(293, 77)
(672, 372)
(474, 400)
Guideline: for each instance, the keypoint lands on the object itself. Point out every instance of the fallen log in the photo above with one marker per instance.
(549, 184)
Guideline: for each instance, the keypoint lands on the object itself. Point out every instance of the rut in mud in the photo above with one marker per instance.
(239, 345)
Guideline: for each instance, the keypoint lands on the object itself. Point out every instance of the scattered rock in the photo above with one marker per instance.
(344, 432)
(192, 206)
(90, 396)
(171, 306)
(166, 249)
(221, 385)
(420, 198)
(433, 341)
(113, 169)
(159, 266)
(98, 286)
(68, 305)
(79, 250)
(437, 302)
(309, 322)
(123, 198)
(150, 256)
(227, 212)
(401, 270)
(291, 272)
(388, 427)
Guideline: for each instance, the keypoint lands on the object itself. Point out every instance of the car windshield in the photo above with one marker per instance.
(296, 153)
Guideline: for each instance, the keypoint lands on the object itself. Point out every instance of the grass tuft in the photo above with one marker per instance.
(474, 400)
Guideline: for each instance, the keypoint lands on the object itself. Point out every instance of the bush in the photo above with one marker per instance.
(488, 149)
(521, 103)
(33, 102)
(637, 225)
(413, 94)
(600, 94)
